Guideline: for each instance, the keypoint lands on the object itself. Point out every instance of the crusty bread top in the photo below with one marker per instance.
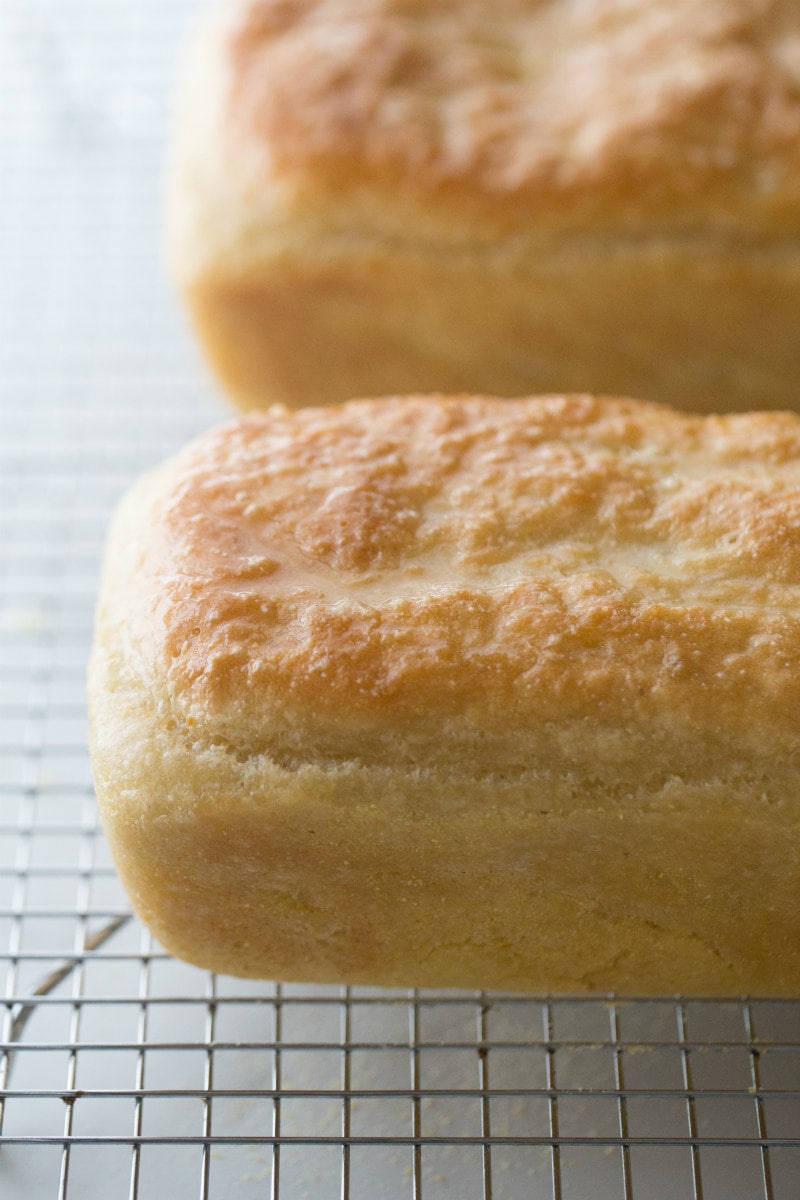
(529, 114)
(396, 577)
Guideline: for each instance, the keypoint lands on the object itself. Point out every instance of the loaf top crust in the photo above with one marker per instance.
(423, 577)
(659, 116)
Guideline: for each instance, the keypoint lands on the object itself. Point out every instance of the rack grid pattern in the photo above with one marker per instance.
(124, 1073)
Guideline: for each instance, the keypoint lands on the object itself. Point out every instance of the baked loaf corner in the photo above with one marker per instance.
(462, 692)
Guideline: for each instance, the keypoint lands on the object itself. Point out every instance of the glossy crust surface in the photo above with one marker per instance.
(370, 198)
(469, 665)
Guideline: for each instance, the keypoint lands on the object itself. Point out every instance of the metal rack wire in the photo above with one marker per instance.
(122, 1072)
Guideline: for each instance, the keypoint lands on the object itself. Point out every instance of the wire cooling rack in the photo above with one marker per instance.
(122, 1072)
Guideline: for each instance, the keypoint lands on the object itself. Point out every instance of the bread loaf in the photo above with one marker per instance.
(462, 692)
(515, 197)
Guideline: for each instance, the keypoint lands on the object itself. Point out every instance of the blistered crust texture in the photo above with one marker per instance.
(462, 692)
(331, 577)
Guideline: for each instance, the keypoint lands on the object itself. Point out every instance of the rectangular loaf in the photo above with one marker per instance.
(514, 197)
(462, 692)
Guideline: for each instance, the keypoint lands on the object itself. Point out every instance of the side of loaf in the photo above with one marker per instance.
(462, 692)
(414, 196)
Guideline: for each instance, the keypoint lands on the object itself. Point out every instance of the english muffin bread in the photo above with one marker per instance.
(520, 196)
(462, 692)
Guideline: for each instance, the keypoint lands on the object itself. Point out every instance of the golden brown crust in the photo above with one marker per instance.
(555, 195)
(543, 578)
(526, 111)
(462, 692)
